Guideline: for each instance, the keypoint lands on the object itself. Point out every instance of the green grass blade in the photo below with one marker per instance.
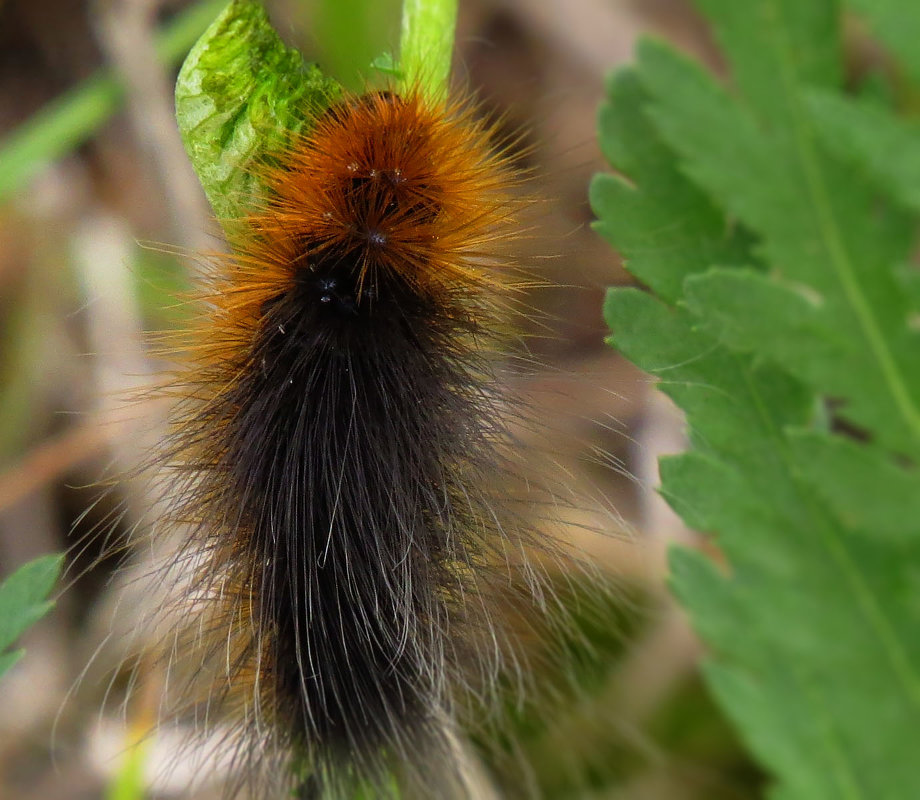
(23, 601)
(883, 147)
(73, 117)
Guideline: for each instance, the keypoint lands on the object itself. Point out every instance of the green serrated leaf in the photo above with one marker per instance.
(667, 343)
(861, 132)
(243, 94)
(660, 222)
(23, 601)
(867, 490)
(736, 689)
(821, 227)
(773, 44)
(727, 498)
(753, 312)
(811, 620)
(796, 608)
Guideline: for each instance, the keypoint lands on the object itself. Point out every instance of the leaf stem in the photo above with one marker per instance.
(427, 44)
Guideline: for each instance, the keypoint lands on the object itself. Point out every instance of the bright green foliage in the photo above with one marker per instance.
(243, 94)
(779, 253)
(23, 601)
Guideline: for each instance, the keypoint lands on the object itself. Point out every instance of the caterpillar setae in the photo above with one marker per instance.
(339, 452)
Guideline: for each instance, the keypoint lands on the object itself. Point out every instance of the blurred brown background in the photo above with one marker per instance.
(86, 268)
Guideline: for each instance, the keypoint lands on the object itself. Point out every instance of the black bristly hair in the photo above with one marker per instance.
(340, 447)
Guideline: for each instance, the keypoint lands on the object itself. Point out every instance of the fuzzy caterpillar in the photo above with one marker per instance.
(339, 450)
